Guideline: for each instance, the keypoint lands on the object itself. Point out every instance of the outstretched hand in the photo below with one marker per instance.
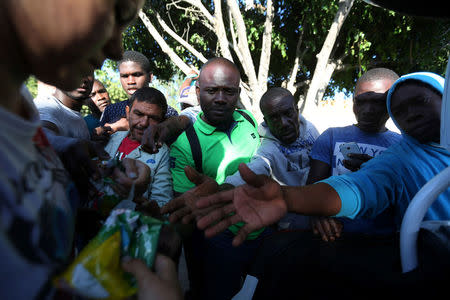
(258, 203)
(183, 207)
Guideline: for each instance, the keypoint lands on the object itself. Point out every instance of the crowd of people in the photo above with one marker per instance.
(275, 200)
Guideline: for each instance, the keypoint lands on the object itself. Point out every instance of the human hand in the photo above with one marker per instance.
(167, 131)
(329, 228)
(78, 161)
(169, 243)
(120, 125)
(355, 161)
(155, 136)
(101, 134)
(183, 207)
(148, 208)
(136, 172)
(258, 203)
(161, 284)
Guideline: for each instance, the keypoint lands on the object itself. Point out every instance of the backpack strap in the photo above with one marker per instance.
(195, 147)
(195, 143)
(246, 116)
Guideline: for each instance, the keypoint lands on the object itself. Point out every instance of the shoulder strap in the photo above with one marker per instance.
(246, 116)
(195, 148)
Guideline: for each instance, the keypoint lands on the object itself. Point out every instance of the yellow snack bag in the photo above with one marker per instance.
(96, 272)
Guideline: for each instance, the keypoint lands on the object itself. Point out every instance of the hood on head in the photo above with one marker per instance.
(434, 80)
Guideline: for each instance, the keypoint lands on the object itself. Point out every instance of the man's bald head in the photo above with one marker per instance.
(218, 91)
(219, 61)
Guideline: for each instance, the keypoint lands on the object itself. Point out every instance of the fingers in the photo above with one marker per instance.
(179, 214)
(137, 172)
(352, 164)
(336, 227)
(325, 230)
(165, 268)
(97, 150)
(328, 228)
(250, 177)
(360, 156)
(152, 139)
(219, 214)
(242, 235)
(193, 176)
(188, 218)
(148, 140)
(218, 198)
(140, 271)
(131, 168)
(173, 204)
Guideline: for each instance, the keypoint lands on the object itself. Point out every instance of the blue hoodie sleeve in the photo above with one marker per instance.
(369, 191)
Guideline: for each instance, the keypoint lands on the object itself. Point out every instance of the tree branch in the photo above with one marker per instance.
(195, 3)
(162, 43)
(220, 30)
(185, 44)
(234, 38)
(322, 70)
(247, 61)
(266, 48)
(291, 86)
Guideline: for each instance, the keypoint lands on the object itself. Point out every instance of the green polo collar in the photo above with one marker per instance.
(209, 129)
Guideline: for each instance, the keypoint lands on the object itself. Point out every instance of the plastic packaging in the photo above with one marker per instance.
(96, 272)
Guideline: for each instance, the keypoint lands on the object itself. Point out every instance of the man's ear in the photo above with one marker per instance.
(127, 110)
(354, 107)
(150, 77)
(197, 92)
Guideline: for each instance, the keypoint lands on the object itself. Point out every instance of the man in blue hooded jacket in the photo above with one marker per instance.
(390, 180)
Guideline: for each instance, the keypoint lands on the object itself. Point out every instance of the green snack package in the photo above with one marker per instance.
(96, 272)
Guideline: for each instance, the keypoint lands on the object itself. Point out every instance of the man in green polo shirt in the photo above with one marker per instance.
(226, 138)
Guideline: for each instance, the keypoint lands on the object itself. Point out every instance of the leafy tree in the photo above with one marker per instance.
(186, 32)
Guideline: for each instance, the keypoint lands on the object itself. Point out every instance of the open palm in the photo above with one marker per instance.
(258, 203)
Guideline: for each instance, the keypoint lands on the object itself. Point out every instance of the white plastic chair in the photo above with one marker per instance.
(413, 217)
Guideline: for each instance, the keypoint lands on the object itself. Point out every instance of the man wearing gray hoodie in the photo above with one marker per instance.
(286, 142)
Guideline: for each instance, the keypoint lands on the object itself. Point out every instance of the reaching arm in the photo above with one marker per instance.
(262, 202)
(119, 125)
(155, 136)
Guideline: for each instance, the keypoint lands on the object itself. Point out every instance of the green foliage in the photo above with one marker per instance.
(371, 37)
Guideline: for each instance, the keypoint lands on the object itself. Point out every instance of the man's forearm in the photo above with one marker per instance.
(315, 199)
(59, 143)
(178, 123)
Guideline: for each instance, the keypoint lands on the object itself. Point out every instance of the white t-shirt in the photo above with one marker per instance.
(70, 123)
(37, 204)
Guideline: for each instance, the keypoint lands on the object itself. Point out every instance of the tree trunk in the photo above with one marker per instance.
(323, 70)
